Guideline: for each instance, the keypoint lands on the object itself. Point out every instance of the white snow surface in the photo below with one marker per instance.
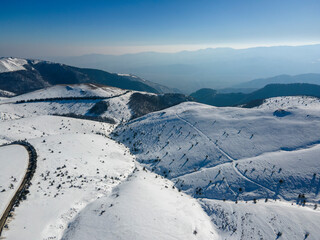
(144, 207)
(290, 102)
(12, 64)
(6, 94)
(263, 220)
(213, 164)
(117, 100)
(71, 90)
(192, 136)
(14, 162)
(237, 154)
(77, 164)
(281, 174)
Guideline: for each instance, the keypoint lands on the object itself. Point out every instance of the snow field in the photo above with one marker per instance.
(290, 102)
(238, 155)
(73, 170)
(262, 220)
(191, 136)
(14, 161)
(145, 206)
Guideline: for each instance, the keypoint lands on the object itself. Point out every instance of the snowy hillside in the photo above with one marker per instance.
(191, 171)
(25, 75)
(144, 207)
(83, 100)
(237, 155)
(271, 220)
(11, 176)
(73, 90)
(91, 101)
(191, 136)
(290, 102)
(12, 64)
(78, 165)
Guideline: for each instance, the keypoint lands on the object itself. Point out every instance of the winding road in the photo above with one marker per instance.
(23, 188)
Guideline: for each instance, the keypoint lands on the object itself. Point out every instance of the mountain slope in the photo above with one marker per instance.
(207, 68)
(264, 159)
(76, 165)
(218, 173)
(312, 78)
(145, 206)
(78, 169)
(271, 220)
(214, 98)
(30, 75)
(90, 101)
(11, 177)
(12, 64)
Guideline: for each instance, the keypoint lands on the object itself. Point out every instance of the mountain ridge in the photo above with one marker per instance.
(312, 78)
(211, 68)
(32, 75)
(214, 98)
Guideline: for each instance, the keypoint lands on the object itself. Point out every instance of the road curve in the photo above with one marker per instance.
(26, 182)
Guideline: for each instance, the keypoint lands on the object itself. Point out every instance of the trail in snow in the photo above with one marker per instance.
(232, 161)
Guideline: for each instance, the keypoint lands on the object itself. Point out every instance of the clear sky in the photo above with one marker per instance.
(66, 28)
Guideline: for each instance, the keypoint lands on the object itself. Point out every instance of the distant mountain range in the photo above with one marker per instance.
(18, 76)
(213, 97)
(23, 75)
(312, 78)
(208, 68)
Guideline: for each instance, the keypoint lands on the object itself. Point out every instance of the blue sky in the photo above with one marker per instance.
(46, 28)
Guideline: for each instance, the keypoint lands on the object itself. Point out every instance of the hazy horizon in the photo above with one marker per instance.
(168, 42)
(42, 29)
(117, 51)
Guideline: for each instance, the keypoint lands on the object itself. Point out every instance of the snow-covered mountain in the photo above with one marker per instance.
(88, 100)
(312, 78)
(12, 64)
(225, 156)
(26, 75)
(215, 98)
(160, 169)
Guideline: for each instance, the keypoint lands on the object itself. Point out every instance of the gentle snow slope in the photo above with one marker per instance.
(283, 174)
(71, 90)
(192, 136)
(77, 163)
(69, 175)
(145, 207)
(240, 155)
(271, 220)
(290, 102)
(14, 162)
